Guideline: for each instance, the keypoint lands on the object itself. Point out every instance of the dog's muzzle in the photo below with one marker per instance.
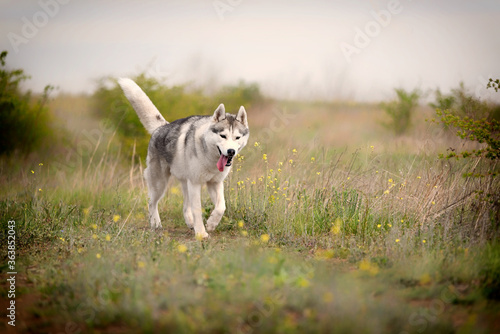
(225, 160)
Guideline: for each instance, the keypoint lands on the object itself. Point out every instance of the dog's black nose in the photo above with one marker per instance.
(231, 152)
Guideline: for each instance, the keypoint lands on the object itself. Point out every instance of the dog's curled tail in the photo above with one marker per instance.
(148, 114)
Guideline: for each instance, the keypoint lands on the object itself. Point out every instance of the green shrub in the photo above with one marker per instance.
(490, 272)
(484, 131)
(243, 94)
(463, 104)
(495, 84)
(474, 122)
(24, 126)
(400, 110)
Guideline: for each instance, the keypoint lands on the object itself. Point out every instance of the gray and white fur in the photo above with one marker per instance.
(197, 150)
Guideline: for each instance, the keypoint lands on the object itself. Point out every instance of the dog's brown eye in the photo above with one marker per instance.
(238, 138)
(223, 136)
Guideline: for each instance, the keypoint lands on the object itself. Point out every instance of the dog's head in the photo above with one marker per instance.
(229, 134)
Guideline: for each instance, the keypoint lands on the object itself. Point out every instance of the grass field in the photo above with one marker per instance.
(333, 225)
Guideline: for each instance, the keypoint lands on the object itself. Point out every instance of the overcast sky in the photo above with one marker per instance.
(340, 49)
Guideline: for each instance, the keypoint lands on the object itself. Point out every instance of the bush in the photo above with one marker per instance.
(486, 132)
(474, 120)
(463, 104)
(24, 126)
(481, 131)
(400, 110)
(243, 94)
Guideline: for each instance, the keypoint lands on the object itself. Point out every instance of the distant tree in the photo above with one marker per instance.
(474, 122)
(495, 84)
(462, 103)
(400, 111)
(24, 125)
(242, 94)
(485, 131)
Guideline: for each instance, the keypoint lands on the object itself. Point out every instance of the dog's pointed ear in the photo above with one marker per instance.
(242, 116)
(219, 114)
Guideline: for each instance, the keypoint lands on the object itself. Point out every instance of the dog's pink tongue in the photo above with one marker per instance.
(222, 162)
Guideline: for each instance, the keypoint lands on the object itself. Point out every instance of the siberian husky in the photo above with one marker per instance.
(196, 150)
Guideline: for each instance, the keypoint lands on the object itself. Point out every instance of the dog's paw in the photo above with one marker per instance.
(155, 225)
(211, 227)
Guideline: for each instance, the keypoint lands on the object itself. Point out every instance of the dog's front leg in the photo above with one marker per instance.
(216, 192)
(186, 206)
(194, 194)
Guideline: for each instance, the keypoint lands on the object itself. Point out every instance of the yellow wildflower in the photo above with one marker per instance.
(264, 238)
(98, 255)
(425, 279)
(303, 282)
(328, 297)
(272, 260)
(336, 226)
(116, 218)
(369, 267)
(181, 248)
